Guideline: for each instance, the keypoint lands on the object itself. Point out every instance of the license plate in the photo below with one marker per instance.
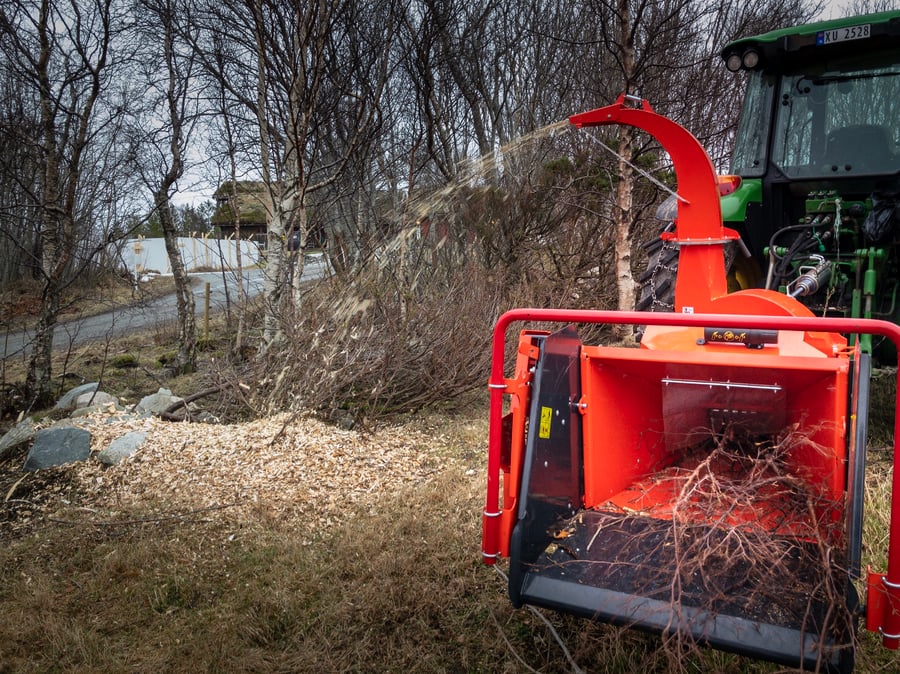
(844, 34)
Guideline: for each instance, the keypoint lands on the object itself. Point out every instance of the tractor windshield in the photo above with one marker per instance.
(840, 120)
(749, 158)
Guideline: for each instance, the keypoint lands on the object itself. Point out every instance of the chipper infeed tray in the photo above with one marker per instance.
(698, 490)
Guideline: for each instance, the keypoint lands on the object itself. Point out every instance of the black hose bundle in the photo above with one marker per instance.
(884, 217)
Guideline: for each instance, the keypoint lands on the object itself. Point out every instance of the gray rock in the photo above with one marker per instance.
(67, 402)
(95, 399)
(57, 447)
(204, 417)
(120, 418)
(83, 412)
(158, 402)
(343, 419)
(16, 436)
(122, 448)
(64, 423)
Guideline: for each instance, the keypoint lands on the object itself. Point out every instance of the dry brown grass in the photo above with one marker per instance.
(244, 595)
(128, 367)
(397, 586)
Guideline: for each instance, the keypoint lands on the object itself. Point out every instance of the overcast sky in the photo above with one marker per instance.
(194, 191)
(834, 9)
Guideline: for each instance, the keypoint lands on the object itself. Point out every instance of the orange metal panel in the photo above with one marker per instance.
(518, 390)
(629, 432)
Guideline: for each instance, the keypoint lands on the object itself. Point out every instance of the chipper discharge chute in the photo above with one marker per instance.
(707, 485)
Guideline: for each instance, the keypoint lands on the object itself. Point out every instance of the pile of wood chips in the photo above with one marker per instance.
(299, 473)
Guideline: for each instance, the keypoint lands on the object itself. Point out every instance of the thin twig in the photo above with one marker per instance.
(19, 501)
(509, 645)
(13, 488)
(168, 413)
(575, 668)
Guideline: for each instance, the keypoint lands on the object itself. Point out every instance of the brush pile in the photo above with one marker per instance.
(733, 528)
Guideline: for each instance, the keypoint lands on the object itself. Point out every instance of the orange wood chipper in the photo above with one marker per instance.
(707, 485)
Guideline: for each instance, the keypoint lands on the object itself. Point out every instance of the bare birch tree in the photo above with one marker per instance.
(61, 51)
(642, 40)
(667, 52)
(306, 64)
(168, 73)
(19, 172)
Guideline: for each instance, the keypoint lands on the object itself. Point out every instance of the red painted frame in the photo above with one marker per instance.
(883, 614)
(700, 287)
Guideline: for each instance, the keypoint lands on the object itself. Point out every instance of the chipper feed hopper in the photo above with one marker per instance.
(707, 485)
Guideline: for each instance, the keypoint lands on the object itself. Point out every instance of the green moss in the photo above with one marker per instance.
(124, 361)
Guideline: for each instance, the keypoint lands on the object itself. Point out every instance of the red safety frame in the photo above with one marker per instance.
(883, 606)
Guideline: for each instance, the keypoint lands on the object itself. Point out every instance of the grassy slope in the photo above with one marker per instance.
(403, 591)
(399, 588)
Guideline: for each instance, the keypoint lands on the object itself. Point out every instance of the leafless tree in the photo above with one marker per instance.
(356, 116)
(19, 170)
(167, 123)
(61, 53)
(667, 52)
(866, 7)
(486, 73)
(711, 113)
(298, 69)
(642, 41)
(226, 140)
(485, 85)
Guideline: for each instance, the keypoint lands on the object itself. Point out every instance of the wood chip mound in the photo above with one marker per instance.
(300, 473)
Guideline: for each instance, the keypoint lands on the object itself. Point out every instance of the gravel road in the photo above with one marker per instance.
(123, 320)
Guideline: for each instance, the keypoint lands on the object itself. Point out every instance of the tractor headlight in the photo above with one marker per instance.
(746, 60)
(751, 59)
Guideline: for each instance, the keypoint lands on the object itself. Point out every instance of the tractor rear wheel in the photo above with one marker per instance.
(658, 281)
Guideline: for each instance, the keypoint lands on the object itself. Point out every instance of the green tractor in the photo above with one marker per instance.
(815, 190)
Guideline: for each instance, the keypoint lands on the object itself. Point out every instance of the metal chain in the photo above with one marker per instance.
(658, 299)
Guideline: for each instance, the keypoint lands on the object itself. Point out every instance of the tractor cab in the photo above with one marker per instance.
(817, 156)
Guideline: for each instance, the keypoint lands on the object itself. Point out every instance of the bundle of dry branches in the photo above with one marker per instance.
(745, 533)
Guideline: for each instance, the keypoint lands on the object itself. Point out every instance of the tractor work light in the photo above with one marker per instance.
(751, 59)
(747, 60)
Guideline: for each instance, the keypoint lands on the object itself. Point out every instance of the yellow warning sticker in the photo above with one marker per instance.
(544, 429)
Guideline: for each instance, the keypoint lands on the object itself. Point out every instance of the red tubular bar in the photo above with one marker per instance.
(890, 623)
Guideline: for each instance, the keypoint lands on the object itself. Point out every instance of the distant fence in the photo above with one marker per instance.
(197, 253)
